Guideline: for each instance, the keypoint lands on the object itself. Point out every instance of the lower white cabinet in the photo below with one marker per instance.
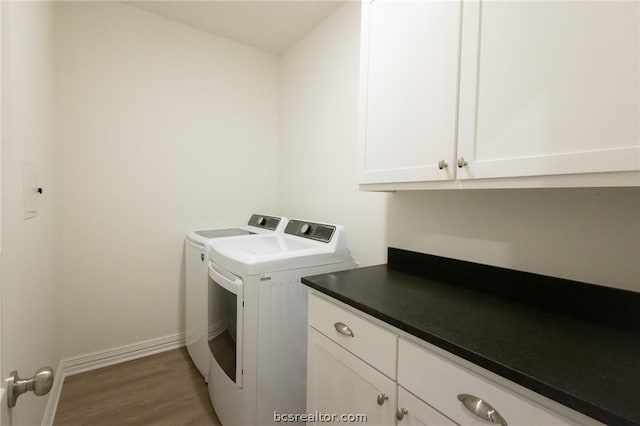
(464, 396)
(431, 388)
(339, 383)
(414, 412)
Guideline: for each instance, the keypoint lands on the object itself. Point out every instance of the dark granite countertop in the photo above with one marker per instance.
(554, 344)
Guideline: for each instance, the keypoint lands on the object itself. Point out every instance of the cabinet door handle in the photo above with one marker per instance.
(481, 409)
(442, 164)
(343, 329)
(401, 412)
(462, 162)
(382, 397)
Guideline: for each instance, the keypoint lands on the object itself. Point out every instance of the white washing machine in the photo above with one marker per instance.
(199, 304)
(259, 352)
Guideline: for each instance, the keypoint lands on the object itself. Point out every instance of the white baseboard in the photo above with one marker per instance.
(216, 328)
(99, 359)
(94, 360)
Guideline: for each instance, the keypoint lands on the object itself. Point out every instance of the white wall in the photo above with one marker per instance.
(161, 129)
(151, 115)
(589, 235)
(319, 112)
(30, 300)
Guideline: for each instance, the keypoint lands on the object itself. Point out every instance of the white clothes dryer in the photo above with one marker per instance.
(259, 352)
(199, 304)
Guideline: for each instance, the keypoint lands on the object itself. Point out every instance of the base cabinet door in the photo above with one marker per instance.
(414, 412)
(340, 384)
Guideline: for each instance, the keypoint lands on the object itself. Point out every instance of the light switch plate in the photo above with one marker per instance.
(30, 190)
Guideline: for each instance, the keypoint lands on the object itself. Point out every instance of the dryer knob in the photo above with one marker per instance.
(305, 229)
(262, 221)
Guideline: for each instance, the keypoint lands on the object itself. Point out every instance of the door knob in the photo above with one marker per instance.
(462, 162)
(442, 164)
(40, 384)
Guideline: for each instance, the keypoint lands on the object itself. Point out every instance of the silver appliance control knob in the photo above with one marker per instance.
(305, 229)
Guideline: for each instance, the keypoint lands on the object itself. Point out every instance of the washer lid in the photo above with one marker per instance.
(222, 232)
(258, 224)
(204, 237)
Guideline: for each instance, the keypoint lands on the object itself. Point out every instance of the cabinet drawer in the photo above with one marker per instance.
(368, 341)
(440, 381)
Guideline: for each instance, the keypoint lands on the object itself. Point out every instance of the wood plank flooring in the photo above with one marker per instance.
(162, 389)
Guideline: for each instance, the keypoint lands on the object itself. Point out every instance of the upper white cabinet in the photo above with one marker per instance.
(409, 86)
(549, 88)
(500, 90)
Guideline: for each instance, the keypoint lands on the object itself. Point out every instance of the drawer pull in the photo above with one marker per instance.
(382, 397)
(401, 412)
(343, 329)
(481, 409)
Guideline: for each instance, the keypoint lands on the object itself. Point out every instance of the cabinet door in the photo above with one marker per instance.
(339, 383)
(416, 413)
(549, 88)
(409, 82)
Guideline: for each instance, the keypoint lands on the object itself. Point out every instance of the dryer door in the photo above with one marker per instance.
(225, 321)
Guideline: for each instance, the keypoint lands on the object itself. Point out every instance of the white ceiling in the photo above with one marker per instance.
(274, 26)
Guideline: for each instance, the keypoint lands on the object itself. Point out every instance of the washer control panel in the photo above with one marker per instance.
(310, 230)
(264, 221)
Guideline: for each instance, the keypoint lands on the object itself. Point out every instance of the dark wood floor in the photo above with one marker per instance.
(162, 389)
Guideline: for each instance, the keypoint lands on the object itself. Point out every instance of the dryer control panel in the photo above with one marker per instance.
(310, 230)
(265, 222)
